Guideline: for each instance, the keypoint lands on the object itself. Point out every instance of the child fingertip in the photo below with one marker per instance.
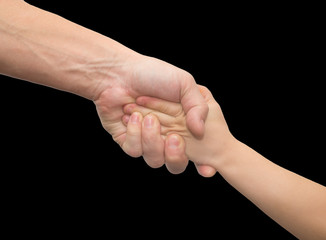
(125, 119)
(141, 100)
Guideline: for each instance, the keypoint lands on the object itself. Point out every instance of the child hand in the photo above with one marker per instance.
(172, 118)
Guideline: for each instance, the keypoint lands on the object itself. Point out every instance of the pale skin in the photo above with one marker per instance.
(296, 203)
(44, 48)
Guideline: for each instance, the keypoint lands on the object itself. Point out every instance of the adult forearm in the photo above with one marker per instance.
(296, 203)
(46, 49)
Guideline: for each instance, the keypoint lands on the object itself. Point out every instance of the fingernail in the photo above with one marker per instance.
(173, 142)
(149, 122)
(134, 118)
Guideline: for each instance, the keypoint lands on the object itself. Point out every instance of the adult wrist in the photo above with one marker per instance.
(109, 69)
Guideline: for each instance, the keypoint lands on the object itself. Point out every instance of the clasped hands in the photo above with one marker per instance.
(156, 126)
(168, 129)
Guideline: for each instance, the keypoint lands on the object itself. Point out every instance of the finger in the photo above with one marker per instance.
(132, 107)
(132, 145)
(205, 170)
(152, 142)
(164, 130)
(125, 119)
(160, 105)
(176, 160)
(195, 107)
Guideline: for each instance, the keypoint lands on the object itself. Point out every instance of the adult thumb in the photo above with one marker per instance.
(195, 107)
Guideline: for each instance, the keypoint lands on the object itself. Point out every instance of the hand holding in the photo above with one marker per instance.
(138, 76)
(173, 122)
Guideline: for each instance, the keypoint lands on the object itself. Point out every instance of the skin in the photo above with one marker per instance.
(44, 48)
(296, 203)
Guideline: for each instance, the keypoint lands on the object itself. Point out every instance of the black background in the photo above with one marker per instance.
(262, 64)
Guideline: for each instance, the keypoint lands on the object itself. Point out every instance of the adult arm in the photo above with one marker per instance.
(46, 49)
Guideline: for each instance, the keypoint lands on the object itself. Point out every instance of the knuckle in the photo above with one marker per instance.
(188, 76)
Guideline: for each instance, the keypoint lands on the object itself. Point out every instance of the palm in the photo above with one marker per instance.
(109, 107)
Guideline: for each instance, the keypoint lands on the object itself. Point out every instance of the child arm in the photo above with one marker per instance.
(296, 203)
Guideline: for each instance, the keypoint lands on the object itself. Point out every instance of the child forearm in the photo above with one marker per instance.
(294, 202)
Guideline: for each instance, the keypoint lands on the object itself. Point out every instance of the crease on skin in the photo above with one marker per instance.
(120, 139)
(170, 124)
(168, 130)
(118, 136)
(167, 127)
(176, 125)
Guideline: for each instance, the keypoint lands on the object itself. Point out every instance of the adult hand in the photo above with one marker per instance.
(142, 75)
(46, 49)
